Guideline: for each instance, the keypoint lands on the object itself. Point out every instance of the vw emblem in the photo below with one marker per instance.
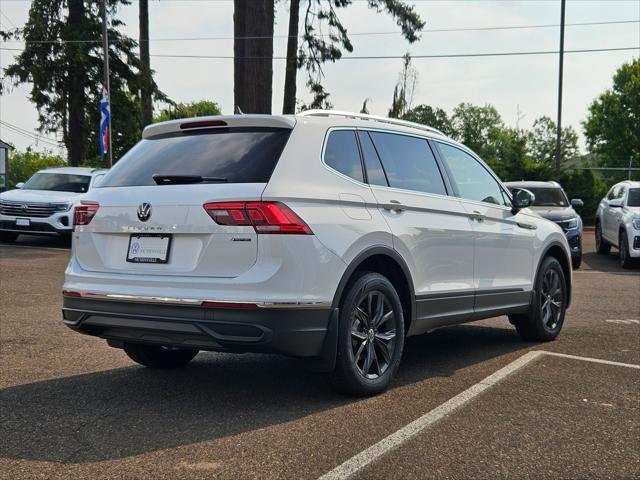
(25, 207)
(144, 212)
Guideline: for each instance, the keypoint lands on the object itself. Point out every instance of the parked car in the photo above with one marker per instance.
(328, 236)
(43, 205)
(618, 222)
(551, 202)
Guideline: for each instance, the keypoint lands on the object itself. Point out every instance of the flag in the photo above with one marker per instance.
(105, 115)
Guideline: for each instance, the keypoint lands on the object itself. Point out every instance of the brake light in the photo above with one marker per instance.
(83, 213)
(265, 217)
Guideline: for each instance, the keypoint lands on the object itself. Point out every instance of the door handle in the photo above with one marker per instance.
(394, 206)
(477, 216)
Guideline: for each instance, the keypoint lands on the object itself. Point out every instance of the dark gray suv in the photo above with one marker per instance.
(552, 203)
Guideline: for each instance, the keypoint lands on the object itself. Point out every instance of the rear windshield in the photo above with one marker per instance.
(58, 182)
(239, 155)
(549, 197)
(633, 200)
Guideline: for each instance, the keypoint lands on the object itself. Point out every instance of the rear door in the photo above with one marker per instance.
(136, 215)
(504, 242)
(430, 229)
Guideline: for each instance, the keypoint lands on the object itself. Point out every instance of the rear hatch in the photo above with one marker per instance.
(150, 216)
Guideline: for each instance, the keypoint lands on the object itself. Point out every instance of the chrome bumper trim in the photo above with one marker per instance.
(189, 301)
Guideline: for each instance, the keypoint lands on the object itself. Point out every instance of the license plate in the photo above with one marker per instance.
(23, 222)
(148, 248)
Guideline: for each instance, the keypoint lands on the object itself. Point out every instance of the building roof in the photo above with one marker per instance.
(6, 145)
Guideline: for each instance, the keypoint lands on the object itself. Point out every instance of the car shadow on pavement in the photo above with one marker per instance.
(128, 411)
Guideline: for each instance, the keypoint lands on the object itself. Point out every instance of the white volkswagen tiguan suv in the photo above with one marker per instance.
(328, 236)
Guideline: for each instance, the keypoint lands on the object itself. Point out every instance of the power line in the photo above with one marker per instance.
(395, 32)
(27, 134)
(391, 57)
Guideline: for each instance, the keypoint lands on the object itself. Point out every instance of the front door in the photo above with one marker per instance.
(504, 242)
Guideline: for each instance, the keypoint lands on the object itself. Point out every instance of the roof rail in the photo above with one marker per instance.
(374, 118)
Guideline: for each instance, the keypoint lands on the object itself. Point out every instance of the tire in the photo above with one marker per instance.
(576, 261)
(543, 322)
(369, 354)
(625, 260)
(602, 247)
(155, 356)
(8, 237)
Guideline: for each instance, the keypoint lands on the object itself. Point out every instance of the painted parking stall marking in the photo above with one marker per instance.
(384, 446)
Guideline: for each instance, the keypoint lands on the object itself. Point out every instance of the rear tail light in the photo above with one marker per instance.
(83, 213)
(265, 217)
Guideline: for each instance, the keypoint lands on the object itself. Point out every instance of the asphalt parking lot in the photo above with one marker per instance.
(71, 407)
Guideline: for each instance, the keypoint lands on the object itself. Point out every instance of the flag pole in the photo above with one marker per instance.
(105, 48)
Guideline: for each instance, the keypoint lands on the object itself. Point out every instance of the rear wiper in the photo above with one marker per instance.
(184, 179)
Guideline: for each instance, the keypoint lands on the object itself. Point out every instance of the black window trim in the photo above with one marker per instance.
(505, 191)
(445, 180)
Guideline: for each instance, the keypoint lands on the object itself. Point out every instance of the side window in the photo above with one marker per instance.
(408, 163)
(474, 182)
(375, 172)
(613, 193)
(97, 179)
(342, 154)
(621, 192)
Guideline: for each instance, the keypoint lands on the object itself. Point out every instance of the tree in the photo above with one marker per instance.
(202, 108)
(542, 141)
(404, 90)
(477, 127)
(316, 49)
(432, 117)
(612, 128)
(146, 82)
(66, 76)
(289, 101)
(253, 55)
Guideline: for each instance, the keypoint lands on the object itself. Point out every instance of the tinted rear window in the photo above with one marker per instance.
(343, 155)
(408, 163)
(241, 155)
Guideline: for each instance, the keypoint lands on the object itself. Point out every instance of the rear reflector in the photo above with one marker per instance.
(203, 124)
(265, 217)
(228, 305)
(83, 213)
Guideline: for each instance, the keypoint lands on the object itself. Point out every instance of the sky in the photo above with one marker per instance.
(522, 88)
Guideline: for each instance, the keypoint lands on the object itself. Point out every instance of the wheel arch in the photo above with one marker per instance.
(387, 262)
(556, 250)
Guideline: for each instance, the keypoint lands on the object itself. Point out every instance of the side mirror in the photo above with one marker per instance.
(19, 185)
(615, 203)
(522, 198)
(577, 203)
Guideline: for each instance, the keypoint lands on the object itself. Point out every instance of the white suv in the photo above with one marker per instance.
(43, 205)
(618, 222)
(328, 236)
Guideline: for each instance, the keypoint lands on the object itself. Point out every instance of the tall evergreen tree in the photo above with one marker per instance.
(146, 87)
(253, 55)
(62, 60)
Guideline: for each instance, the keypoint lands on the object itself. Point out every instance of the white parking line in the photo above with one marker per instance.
(384, 446)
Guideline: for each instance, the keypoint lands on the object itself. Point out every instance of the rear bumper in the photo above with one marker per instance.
(298, 332)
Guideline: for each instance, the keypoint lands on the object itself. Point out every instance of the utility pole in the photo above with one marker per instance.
(559, 124)
(105, 48)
